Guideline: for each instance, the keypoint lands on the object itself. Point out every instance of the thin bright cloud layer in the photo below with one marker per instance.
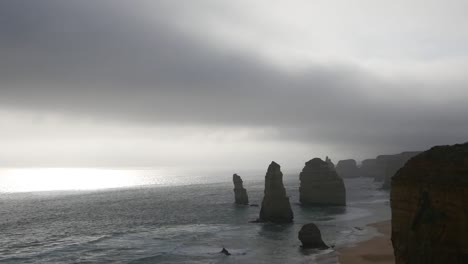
(154, 83)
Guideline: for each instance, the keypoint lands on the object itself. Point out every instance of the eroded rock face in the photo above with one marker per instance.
(347, 168)
(311, 237)
(429, 201)
(330, 163)
(240, 194)
(275, 205)
(321, 185)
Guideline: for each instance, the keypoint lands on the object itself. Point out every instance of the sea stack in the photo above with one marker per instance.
(347, 168)
(275, 205)
(330, 163)
(311, 237)
(321, 185)
(429, 201)
(240, 194)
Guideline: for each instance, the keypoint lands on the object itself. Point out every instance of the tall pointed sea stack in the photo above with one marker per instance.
(429, 201)
(321, 185)
(275, 205)
(240, 194)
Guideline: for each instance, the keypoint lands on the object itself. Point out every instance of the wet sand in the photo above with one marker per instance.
(376, 250)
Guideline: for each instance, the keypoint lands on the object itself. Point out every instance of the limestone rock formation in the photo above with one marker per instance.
(384, 167)
(429, 201)
(347, 168)
(275, 205)
(370, 168)
(321, 185)
(330, 163)
(240, 194)
(394, 163)
(311, 237)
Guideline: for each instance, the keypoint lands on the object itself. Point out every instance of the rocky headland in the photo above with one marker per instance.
(394, 163)
(429, 202)
(383, 167)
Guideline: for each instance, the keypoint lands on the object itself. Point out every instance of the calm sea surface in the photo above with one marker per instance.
(171, 223)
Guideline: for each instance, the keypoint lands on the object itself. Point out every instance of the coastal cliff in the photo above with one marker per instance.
(383, 167)
(429, 201)
(393, 163)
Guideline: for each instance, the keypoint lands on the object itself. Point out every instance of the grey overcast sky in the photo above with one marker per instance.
(213, 83)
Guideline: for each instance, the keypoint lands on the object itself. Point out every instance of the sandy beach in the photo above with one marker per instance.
(376, 250)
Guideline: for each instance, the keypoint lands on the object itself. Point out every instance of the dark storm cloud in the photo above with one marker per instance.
(100, 59)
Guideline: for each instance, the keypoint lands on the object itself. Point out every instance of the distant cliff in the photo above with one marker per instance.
(393, 163)
(384, 167)
(429, 201)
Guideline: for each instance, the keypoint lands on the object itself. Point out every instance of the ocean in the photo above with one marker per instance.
(182, 220)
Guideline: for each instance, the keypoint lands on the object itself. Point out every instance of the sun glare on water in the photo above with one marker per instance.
(51, 179)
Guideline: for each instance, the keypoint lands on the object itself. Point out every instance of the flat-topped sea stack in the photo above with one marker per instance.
(370, 168)
(321, 185)
(275, 205)
(347, 168)
(240, 194)
(429, 201)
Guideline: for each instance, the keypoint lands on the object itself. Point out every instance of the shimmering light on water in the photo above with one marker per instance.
(75, 179)
(51, 179)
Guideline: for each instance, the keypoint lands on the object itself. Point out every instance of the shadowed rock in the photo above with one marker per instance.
(393, 164)
(429, 201)
(330, 163)
(370, 168)
(240, 194)
(275, 205)
(225, 252)
(321, 185)
(311, 237)
(347, 168)
(384, 167)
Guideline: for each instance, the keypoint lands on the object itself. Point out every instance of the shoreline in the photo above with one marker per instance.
(377, 250)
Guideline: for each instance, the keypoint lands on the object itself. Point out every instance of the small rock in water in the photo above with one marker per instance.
(225, 252)
(311, 237)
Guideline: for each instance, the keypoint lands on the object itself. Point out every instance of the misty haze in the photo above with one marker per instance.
(241, 131)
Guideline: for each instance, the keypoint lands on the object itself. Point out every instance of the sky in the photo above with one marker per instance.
(228, 84)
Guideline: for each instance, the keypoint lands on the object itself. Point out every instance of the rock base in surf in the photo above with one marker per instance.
(275, 204)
